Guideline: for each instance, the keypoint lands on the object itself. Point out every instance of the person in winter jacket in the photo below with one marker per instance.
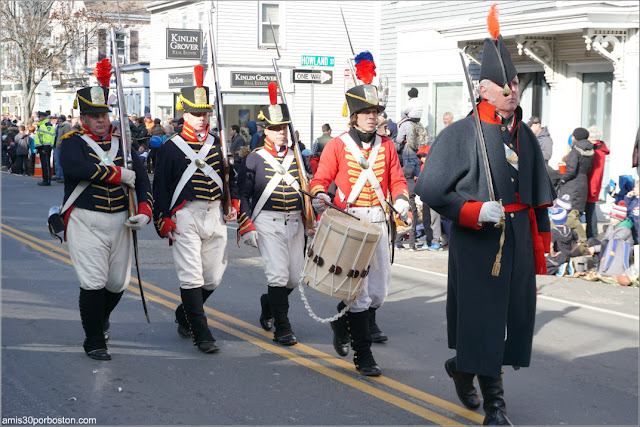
(600, 151)
(612, 254)
(22, 141)
(414, 107)
(564, 244)
(412, 114)
(544, 139)
(574, 181)
(631, 200)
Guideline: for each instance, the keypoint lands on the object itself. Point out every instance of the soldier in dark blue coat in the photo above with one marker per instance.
(271, 216)
(490, 317)
(96, 214)
(188, 189)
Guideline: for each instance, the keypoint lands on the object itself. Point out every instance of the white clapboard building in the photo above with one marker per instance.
(245, 50)
(577, 63)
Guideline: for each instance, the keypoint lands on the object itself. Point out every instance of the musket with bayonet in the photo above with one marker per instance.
(226, 201)
(485, 160)
(351, 59)
(309, 213)
(125, 151)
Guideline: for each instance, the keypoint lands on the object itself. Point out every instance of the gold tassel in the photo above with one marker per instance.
(495, 271)
(75, 103)
(345, 110)
(506, 91)
(179, 106)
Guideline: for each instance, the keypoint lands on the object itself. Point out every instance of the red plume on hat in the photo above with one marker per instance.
(103, 72)
(198, 72)
(492, 21)
(273, 93)
(365, 67)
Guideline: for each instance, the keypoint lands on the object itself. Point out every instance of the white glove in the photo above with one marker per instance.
(137, 222)
(490, 212)
(250, 238)
(320, 202)
(128, 177)
(402, 207)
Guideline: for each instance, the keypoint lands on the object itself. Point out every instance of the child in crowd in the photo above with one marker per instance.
(411, 185)
(564, 244)
(613, 253)
(631, 200)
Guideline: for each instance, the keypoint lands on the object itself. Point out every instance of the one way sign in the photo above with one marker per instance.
(312, 76)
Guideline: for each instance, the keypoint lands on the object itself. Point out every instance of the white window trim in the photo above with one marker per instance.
(127, 46)
(281, 24)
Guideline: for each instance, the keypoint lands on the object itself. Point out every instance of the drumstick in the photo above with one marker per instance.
(331, 205)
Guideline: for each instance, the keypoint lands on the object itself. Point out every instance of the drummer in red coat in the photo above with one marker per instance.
(365, 167)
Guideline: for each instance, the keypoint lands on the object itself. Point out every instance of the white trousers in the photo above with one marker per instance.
(199, 251)
(376, 284)
(281, 246)
(100, 247)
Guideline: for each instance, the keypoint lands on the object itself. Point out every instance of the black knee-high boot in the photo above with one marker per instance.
(111, 300)
(92, 311)
(376, 334)
(358, 324)
(266, 316)
(181, 317)
(279, 301)
(192, 301)
(463, 381)
(494, 407)
(341, 333)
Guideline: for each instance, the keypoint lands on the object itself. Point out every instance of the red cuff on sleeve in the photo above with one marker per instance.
(546, 240)
(144, 208)
(167, 226)
(469, 213)
(114, 176)
(246, 227)
(236, 204)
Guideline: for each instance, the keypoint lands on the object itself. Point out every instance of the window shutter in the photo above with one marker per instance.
(102, 44)
(133, 47)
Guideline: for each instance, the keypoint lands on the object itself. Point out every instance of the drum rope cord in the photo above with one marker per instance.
(313, 315)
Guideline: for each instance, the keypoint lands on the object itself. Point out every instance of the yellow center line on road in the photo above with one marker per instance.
(38, 244)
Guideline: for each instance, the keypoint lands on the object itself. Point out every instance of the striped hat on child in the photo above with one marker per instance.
(619, 211)
(564, 202)
(558, 215)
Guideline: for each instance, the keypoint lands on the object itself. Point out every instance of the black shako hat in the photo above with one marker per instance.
(361, 97)
(274, 113)
(497, 65)
(195, 99)
(92, 99)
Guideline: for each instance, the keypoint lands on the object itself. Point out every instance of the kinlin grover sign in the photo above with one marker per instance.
(249, 79)
(184, 44)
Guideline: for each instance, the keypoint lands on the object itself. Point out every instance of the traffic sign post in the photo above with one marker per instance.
(312, 76)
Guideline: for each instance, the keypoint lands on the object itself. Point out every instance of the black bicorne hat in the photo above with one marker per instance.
(361, 97)
(195, 99)
(274, 114)
(497, 65)
(92, 99)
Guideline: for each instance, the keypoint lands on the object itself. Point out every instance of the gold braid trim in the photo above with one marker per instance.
(361, 98)
(261, 116)
(182, 99)
(86, 101)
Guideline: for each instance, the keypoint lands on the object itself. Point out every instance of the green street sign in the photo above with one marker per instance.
(318, 61)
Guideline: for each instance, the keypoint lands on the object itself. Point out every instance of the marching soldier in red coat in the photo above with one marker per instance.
(188, 186)
(490, 310)
(365, 167)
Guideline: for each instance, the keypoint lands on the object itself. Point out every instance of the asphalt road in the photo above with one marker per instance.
(584, 369)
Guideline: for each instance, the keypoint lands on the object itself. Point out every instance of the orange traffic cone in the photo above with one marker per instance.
(37, 172)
